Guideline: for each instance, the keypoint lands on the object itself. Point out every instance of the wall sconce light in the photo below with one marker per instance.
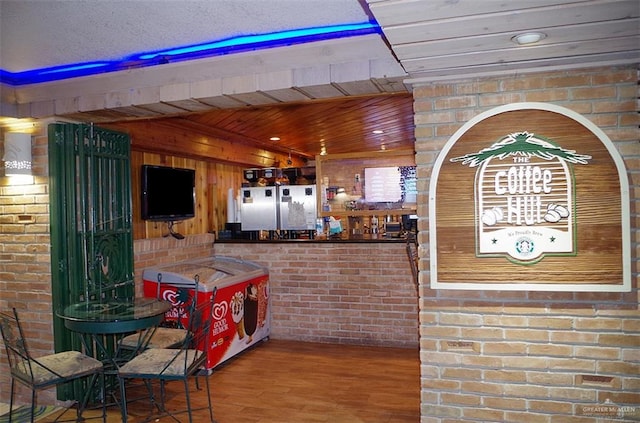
(17, 154)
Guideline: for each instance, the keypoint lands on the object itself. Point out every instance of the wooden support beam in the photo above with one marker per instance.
(177, 140)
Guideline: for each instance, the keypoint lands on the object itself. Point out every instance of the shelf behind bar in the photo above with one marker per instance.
(353, 213)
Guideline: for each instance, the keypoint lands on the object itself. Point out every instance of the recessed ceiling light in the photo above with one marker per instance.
(378, 131)
(275, 138)
(528, 38)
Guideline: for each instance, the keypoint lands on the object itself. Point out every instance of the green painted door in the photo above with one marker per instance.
(91, 220)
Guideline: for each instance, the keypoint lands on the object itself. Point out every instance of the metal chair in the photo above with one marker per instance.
(51, 370)
(171, 333)
(167, 364)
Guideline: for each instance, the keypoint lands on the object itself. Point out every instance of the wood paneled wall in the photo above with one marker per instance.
(213, 181)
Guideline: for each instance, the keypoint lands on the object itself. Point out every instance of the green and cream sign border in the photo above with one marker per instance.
(525, 201)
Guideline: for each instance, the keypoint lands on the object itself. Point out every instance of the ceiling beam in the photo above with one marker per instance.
(158, 137)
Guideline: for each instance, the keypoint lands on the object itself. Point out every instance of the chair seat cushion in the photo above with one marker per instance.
(161, 338)
(66, 364)
(158, 361)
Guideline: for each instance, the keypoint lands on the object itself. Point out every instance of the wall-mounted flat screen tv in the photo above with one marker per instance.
(168, 193)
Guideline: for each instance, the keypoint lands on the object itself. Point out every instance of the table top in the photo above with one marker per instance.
(114, 316)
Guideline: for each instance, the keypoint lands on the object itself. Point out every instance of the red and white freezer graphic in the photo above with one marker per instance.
(241, 312)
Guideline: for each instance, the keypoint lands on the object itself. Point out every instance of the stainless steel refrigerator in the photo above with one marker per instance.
(297, 207)
(259, 211)
(284, 207)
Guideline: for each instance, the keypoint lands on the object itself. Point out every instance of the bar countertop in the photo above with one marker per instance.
(360, 239)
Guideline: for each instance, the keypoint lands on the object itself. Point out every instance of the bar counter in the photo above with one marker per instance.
(225, 237)
(357, 240)
(357, 291)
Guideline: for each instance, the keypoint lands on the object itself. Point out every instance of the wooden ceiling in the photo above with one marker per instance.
(344, 125)
(438, 39)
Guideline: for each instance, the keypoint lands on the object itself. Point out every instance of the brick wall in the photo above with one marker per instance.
(346, 293)
(25, 263)
(541, 357)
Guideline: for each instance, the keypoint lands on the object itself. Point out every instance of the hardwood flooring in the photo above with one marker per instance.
(295, 382)
(288, 381)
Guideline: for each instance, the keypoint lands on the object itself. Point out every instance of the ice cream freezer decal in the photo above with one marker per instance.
(241, 313)
(530, 196)
(248, 310)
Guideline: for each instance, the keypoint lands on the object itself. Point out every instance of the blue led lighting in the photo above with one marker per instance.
(73, 67)
(216, 48)
(249, 40)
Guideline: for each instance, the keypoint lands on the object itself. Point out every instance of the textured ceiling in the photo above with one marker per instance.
(63, 32)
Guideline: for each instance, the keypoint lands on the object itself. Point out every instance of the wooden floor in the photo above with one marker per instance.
(294, 382)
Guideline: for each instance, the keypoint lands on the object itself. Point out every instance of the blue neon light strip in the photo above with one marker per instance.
(216, 48)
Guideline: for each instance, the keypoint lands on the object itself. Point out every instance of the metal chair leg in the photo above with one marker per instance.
(33, 405)
(11, 401)
(186, 391)
(123, 400)
(163, 396)
(103, 395)
(206, 381)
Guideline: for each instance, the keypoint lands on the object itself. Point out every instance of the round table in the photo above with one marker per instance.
(106, 322)
(102, 324)
(114, 316)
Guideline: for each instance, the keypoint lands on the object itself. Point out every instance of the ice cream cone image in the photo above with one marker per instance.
(240, 328)
(263, 303)
(251, 311)
(237, 312)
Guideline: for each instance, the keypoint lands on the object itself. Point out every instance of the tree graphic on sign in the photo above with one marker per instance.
(523, 144)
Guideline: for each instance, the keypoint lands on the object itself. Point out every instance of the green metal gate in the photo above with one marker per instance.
(91, 221)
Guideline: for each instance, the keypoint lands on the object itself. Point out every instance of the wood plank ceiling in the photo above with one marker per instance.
(436, 39)
(344, 125)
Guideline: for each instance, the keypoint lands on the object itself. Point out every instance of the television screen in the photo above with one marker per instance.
(167, 193)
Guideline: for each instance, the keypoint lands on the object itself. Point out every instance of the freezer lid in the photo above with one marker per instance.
(213, 271)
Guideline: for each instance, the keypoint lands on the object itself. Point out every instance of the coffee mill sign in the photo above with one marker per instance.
(529, 196)
(524, 197)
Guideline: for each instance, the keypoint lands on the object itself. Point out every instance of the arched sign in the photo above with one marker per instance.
(530, 196)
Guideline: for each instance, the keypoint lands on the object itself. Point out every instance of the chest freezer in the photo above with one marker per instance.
(241, 313)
